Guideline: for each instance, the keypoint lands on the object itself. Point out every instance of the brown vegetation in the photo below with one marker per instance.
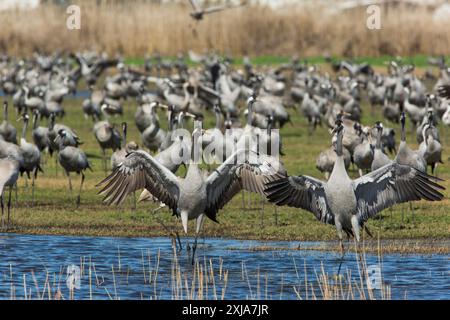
(137, 28)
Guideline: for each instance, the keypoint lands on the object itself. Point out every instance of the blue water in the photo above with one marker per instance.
(37, 256)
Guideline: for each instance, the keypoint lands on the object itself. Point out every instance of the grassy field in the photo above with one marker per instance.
(55, 212)
(419, 61)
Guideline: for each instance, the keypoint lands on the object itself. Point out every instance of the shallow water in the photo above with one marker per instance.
(270, 274)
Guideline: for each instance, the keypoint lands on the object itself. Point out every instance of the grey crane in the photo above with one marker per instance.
(430, 148)
(387, 138)
(9, 173)
(311, 111)
(415, 112)
(363, 153)
(407, 156)
(31, 155)
(391, 110)
(7, 130)
(72, 159)
(107, 137)
(172, 123)
(119, 155)
(197, 194)
(144, 116)
(70, 137)
(153, 136)
(380, 159)
(198, 12)
(172, 158)
(32, 103)
(348, 203)
(433, 130)
(40, 134)
(91, 105)
(444, 92)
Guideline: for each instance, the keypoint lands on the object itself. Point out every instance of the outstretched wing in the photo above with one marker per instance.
(140, 170)
(242, 170)
(194, 5)
(301, 192)
(391, 184)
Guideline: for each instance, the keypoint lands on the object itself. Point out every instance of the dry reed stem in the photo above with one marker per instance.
(143, 28)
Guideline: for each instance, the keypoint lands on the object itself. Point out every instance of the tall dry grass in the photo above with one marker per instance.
(136, 28)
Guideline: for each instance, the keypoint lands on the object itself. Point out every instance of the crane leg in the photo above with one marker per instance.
(79, 193)
(56, 165)
(197, 231)
(104, 160)
(276, 215)
(262, 212)
(16, 196)
(70, 181)
(412, 211)
(32, 185)
(9, 207)
(175, 234)
(3, 210)
(194, 248)
(243, 200)
(341, 244)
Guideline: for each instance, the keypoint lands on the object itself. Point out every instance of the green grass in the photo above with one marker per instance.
(55, 211)
(417, 60)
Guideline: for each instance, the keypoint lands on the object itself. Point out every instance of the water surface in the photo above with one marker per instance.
(123, 267)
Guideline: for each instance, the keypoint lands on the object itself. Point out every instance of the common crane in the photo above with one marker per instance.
(348, 203)
(197, 194)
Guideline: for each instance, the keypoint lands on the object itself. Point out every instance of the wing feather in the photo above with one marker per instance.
(301, 192)
(242, 170)
(140, 170)
(391, 184)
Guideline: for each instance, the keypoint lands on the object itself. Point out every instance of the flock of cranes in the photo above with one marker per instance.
(248, 155)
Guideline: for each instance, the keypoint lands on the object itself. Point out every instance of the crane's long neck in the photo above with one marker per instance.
(124, 140)
(181, 119)
(5, 111)
(51, 123)
(24, 129)
(403, 136)
(339, 146)
(217, 120)
(195, 148)
(35, 121)
(250, 114)
(170, 120)
(378, 144)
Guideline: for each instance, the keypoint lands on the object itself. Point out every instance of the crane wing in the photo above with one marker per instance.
(194, 5)
(242, 170)
(301, 192)
(140, 170)
(391, 184)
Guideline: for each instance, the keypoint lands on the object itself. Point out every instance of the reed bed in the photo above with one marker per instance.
(137, 28)
(207, 279)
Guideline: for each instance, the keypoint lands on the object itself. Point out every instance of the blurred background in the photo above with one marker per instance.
(260, 27)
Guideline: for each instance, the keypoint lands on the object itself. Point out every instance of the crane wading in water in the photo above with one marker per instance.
(198, 194)
(348, 203)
